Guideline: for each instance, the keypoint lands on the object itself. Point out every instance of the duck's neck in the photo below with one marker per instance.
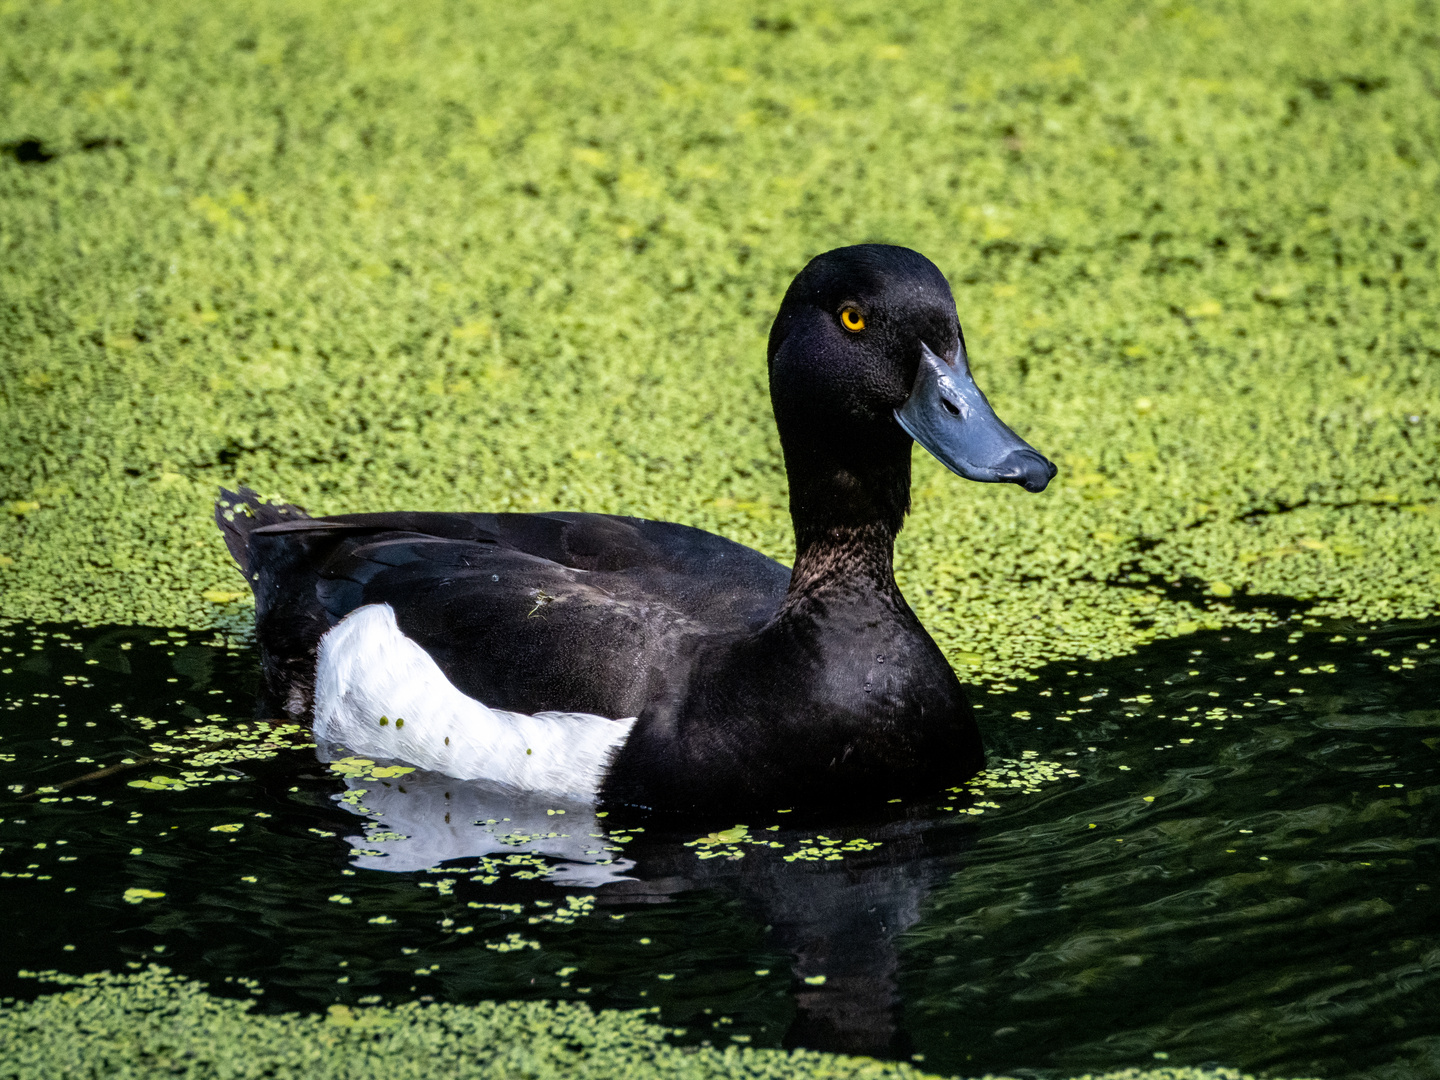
(847, 512)
(856, 559)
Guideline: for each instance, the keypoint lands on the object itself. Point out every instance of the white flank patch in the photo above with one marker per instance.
(380, 694)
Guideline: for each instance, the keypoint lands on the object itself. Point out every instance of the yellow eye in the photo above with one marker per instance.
(852, 320)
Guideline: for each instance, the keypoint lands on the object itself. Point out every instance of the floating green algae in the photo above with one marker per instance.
(465, 256)
(153, 1024)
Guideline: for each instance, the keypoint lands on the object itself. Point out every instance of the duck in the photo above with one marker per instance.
(648, 664)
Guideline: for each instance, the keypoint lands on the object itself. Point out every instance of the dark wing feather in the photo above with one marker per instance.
(584, 612)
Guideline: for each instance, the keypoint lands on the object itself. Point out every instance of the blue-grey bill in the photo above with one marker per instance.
(948, 415)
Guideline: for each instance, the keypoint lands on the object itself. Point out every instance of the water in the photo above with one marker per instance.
(1230, 872)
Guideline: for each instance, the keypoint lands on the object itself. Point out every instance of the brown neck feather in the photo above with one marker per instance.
(846, 521)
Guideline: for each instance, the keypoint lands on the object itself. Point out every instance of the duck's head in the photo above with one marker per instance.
(867, 352)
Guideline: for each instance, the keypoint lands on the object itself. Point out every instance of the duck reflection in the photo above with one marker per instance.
(837, 908)
(420, 820)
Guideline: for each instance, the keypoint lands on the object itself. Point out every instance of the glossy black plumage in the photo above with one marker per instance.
(754, 685)
(526, 612)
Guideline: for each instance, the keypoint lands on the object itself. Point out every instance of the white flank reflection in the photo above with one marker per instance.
(423, 819)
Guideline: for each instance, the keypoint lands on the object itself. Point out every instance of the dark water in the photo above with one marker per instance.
(1236, 873)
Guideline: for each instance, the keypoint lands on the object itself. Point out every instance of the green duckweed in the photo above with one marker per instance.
(149, 1023)
(462, 256)
(458, 256)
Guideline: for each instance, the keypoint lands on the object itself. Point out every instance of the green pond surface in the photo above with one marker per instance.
(467, 255)
(1218, 850)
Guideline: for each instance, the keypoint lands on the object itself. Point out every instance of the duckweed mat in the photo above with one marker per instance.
(150, 1024)
(1218, 851)
(522, 256)
(462, 255)
(153, 1025)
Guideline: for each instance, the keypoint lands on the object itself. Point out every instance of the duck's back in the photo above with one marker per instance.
(527, 612)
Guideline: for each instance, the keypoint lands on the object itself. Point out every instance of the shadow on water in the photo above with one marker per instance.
(1240, 867)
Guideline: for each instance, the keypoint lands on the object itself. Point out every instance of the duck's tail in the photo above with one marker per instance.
(239, 513)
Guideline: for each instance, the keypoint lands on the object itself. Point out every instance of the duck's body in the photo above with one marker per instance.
(526, 612)
(697, 674)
